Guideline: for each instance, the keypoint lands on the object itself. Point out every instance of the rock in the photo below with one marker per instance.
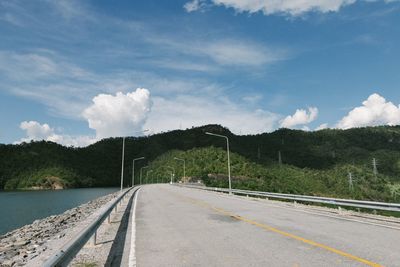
(8, 263)
(21, 243)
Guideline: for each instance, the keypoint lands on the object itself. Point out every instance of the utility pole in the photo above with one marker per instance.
(351, 187)
(375, 169)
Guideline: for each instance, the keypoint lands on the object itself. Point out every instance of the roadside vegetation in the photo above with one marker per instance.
(287, 161)
(210, 166)
(47, 178)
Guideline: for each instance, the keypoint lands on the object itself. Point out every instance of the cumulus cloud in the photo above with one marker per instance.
(109, 115)
(38, 132)
(120, 114)
(300, 117)
(289, 7)
(185, 111)
(374, 111)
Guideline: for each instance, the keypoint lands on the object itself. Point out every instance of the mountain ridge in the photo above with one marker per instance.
(319, 151)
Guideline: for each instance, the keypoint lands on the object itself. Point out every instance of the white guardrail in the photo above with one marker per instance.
(66, 253)
(323, 200)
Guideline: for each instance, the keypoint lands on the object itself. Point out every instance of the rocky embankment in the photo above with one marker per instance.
(22, 245)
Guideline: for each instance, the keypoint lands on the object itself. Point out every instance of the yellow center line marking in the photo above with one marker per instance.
(275, 230)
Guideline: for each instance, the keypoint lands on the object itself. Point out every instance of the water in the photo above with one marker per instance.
(19, 208)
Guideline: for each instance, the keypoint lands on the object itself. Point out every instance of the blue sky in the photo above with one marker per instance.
(74, 72)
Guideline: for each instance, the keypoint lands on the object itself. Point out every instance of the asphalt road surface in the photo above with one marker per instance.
(178, 226)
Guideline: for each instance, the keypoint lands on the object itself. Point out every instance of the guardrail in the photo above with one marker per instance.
(67, 252)
(323, 200)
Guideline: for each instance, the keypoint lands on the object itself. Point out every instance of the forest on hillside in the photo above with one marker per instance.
(329, 162)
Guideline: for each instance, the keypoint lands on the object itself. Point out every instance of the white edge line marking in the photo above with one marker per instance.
(132, 252)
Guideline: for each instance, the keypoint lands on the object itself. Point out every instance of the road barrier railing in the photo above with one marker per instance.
(323, 200)
(64, 255)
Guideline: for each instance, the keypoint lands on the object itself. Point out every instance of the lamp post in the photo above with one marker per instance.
(133, 169)
(173, 172)
(141, 173)
(123, 158)
(184, 167)
(229, 162)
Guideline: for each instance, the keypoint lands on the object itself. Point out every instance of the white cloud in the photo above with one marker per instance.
(223, 51)
(252, 99)
(66, 89)
(289, 7)
(322, 126)
(292, 7)
(38, 132)
(241, 53)
(109, 115)
(120, 114)
(194, 5)
(300, 117)
(185, 111)
(30, 66)
(374, 111)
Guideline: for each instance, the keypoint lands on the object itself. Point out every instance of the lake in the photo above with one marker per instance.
(18, 208)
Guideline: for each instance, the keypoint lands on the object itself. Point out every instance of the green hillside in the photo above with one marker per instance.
(210, 165)
(312, 162)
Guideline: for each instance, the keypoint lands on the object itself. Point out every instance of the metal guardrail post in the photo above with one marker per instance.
(93, 239)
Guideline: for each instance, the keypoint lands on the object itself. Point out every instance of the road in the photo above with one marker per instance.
(178, 226)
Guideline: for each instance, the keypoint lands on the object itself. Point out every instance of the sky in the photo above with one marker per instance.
(74, 72)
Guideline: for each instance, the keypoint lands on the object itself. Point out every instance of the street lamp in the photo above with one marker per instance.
(171, 176)
(173, 172)
(123, 157)
(184, 167)
(133, 169)
(229, 162)
(141, 169)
